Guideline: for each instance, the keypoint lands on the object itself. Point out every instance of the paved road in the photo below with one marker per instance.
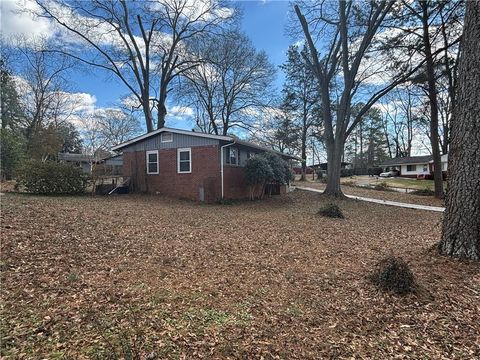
(383, 202)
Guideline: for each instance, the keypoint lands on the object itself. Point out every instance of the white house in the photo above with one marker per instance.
(415, 166)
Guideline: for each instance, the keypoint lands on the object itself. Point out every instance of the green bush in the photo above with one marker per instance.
(263, 169)
(331, 210)
(257, 170)
(281, 173)
(393, 274)
(52, 178)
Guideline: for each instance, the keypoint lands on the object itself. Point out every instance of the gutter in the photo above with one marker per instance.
(221, 164)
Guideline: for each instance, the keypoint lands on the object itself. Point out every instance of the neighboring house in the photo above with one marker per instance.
(115, 163)
(324, 166)
(188, 164)
(415, 166)
(82, 160)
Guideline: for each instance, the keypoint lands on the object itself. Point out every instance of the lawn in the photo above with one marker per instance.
(351, 188)
(410, 183)
(397, 182)
(112, 277)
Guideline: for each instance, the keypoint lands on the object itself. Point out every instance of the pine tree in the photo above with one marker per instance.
(461, 223)
(11, 111)
(301, 93)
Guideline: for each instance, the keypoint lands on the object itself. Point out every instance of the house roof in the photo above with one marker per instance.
(76, 157)
(259, 147)
(325, 163)
(172, 130)
(408, 160)
(199, 134)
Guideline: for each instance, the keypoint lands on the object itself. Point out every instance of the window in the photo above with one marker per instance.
(425, 167)
(184, 160)
(232, 156)
(166, 137)
(152, 162)
(411, 167)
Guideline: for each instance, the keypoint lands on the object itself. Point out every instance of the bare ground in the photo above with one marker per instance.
(110, 277)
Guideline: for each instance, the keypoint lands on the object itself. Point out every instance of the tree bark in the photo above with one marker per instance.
(461, 224)
(148, 118)
(334, 161)
(432, 95)
(161, 108)
(304, 149)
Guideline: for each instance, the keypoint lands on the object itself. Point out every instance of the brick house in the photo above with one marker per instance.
(187, 164)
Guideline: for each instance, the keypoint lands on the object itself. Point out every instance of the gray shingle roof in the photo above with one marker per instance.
(408, 160)
(75, 157)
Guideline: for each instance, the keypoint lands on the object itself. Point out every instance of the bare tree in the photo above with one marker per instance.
(141, 43)
(278, 130)
(461, 224)
(401, 114)
(107, 127)
(232, 84)
(43, 87)
(424, 26)
(117, 126)
(351, 28)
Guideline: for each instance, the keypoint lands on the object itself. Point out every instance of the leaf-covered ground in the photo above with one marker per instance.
(128, 276)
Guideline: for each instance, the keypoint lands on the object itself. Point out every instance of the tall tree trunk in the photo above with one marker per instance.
(361, 144)
(334, 161)
(161, 108)
(461, 223)
(304, 149)
(148, 118)
(432, 95)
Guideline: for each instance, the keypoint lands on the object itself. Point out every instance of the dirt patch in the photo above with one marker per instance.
(88, 277)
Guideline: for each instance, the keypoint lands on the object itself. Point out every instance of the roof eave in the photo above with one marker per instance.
(166, 129)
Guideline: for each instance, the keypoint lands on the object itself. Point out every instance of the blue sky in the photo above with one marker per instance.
(263, 22)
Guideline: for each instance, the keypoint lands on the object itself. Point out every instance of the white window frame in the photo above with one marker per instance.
(180, 150)
(228, 157)
(147, 162)
(166, 141)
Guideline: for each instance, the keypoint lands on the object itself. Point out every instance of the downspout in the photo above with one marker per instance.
(221, 164)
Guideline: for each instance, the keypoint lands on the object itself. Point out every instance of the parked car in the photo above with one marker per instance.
(390, 173)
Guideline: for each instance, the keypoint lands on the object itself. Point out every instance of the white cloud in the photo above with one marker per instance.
(198, 10)
(16, 19)
(180, 111)
(82, 102)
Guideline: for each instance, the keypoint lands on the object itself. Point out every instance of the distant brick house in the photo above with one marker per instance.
(416, 166)
(187, 164)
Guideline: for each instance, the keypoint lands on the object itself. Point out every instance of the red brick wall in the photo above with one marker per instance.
(205, 173)
(235, 186)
